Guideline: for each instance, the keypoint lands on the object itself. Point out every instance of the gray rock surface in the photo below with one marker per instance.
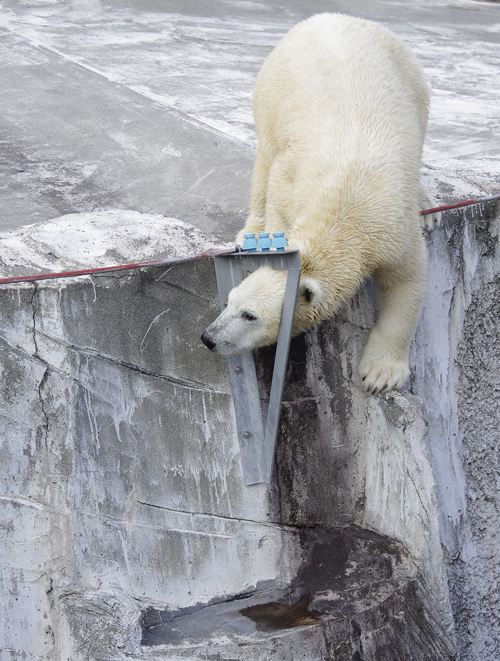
(127, 126)
(123, 485)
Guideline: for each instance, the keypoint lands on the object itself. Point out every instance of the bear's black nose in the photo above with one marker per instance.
(207, 341)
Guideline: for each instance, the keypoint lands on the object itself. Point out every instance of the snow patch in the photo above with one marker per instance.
(99, 238)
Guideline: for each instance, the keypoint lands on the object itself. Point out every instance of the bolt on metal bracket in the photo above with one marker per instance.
(258, 443)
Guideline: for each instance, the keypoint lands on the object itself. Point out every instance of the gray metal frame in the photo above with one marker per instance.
(258, 446)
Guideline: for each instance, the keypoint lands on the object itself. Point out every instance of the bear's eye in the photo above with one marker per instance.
(248, 316)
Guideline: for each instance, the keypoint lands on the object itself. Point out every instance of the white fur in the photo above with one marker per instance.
(340, 109)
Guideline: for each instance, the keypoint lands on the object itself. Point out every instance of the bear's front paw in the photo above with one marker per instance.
(382, 375)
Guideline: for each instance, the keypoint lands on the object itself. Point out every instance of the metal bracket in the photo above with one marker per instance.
(257, 446)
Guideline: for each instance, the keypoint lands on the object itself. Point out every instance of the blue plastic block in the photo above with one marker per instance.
(279, 241)
(250, 243)
(264, 242)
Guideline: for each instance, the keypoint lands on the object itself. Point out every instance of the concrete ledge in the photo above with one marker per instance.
(356, 596)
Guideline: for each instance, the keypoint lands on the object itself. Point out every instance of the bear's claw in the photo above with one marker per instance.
(382, 377)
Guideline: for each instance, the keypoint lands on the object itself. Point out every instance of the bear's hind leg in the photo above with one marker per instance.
(431, 220)
(384, 362)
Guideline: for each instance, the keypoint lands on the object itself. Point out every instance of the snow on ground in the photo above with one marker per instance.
(101, 238)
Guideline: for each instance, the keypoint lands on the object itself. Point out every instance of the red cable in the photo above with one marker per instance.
(460, 204)
(172, 260)
(106, 269)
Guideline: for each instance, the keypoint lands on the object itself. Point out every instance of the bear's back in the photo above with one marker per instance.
(342, 83)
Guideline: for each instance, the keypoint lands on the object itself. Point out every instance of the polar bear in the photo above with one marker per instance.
(340, 109)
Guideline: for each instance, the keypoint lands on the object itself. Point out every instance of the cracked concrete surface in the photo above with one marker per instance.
(138, 479)
(126, 133)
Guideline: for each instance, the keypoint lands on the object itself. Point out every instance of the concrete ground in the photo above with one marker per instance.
(145, 105)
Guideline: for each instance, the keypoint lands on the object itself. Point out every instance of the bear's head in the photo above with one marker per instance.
(252, 316)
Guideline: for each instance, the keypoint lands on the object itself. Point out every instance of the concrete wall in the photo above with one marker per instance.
(118, 450)
(122, 489)
(459, 383)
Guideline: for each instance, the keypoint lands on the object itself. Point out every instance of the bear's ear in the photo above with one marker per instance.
(310, 290)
